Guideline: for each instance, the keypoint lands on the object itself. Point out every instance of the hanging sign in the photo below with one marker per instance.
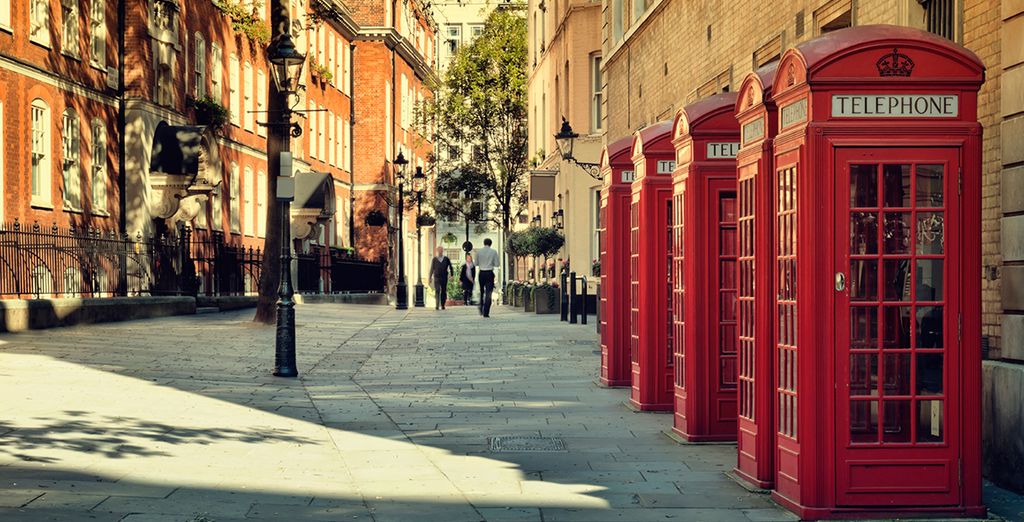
(723, 150)
(895, 106)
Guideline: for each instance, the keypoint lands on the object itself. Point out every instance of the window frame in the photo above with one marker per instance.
(596, 94)
(234, 90)
(71, 160)
(233, 196)
(41, 170)
(98, 168)
(199, 66)
(39, 23)
(98, 34)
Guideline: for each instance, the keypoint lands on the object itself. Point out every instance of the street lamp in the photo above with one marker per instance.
(419, 186)
(559, 219)
(565, 140)
(286, 66)
(401, 291)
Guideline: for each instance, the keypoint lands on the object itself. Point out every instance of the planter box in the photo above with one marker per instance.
(528, 299)
(545, 302)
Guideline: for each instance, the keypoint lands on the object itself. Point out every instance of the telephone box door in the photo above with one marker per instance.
(896, 326)
(722, 385)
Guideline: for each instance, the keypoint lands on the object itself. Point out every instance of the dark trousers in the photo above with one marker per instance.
(486, 287)
(467, 293)
(441, 291)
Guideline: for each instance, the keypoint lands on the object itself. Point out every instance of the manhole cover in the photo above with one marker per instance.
(511, 443)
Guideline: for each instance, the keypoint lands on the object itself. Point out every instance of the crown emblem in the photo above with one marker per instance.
(895, 64)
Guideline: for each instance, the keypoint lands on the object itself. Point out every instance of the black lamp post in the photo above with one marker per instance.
(286, 66)
(401, 291)
(419, 186)
(559, 217)
(565, 140)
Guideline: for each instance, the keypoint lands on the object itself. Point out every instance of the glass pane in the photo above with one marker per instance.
(863, 421)
(864, 375)
(897, 420)
(929, 327)
(863, 185)
(929, 232)
(728, 306)
(929, 185)
(896, 327)
(897, 279)
(728, 208)
(896, 233)
(728, 274)
(897, 374)
(864, 280)
(863, 233)
(728, 242)
(929, 374)
(863, 328)
(929, 421)
(896, 185)
(929, 279)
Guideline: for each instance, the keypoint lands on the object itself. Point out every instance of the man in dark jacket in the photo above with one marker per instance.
(440, 269)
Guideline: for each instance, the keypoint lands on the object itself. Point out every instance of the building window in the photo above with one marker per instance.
(5, 14)
(261, 101)
(321, 123)
(478, 154)
(99, 166)
(216, 70)
(71, 140)
(233, 210)
(40, 153)
(234, 93)
(639, 6)
(941, 17)
(832, 16)
(98, 33)
(339, 142)
(597, 95)
(164, 85)
(164, 22)
(72, 282)
(39, 23)
(247, 102)
(476, 30)
(617, 19)
(199, 67)
(261, 204)
(453, 39)
(250, 203)
(330, 136)
(455, 152)
(313, 130)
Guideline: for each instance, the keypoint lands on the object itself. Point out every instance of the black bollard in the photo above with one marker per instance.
(597, 313)
(573, 312)
(583, 300)
(564, 293)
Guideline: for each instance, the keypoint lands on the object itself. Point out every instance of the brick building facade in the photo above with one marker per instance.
(660, 55)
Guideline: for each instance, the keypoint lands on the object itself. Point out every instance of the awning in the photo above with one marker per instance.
(314, 190)
(176, 149)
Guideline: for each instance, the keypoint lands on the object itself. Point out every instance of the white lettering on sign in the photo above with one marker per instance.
(666, 166)
(895, 106)
(753, 130)
(793, 113)
(723, 150)
(628, 176)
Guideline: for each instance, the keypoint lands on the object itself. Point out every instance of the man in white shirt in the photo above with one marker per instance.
(486, 261)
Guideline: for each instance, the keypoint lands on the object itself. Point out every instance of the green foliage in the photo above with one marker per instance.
(535, 241)
(245, 19)
(454, 289)
(209, 112)
(449, 238)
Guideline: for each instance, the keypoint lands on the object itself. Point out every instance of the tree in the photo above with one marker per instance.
(482, 103)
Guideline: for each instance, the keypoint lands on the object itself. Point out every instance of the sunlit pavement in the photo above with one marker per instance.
(178, 419)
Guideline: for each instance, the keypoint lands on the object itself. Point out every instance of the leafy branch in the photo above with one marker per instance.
(245, 19)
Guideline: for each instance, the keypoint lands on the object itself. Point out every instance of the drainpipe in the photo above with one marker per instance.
(122, 183)
(351, 144)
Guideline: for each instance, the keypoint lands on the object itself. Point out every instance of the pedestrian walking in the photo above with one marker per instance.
(486, 261)
(440, 268)
(467, 276)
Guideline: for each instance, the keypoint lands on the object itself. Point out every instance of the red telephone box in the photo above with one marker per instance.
(617, 170)
(650, 251)
(758, 120)
(877, 261)
(706, 138)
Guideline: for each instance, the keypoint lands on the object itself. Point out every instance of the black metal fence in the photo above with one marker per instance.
(39, 262)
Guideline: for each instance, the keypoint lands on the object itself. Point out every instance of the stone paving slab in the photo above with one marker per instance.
(177, 419)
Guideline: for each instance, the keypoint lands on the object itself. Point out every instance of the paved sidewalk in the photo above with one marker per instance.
(177, 419)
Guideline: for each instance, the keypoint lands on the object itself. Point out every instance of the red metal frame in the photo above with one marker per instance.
(706, 137)
(617, 170)
(650, 206)
(831, 461)
(758, 120)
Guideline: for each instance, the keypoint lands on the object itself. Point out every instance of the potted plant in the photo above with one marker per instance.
(528, 298)
(546, 299)
(455, 293)
(376, 218)
(595, 268)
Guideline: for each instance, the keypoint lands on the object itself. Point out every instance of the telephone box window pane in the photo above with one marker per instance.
(864, 280)
(896, 185)
(929, 374)
(864, 375)
(929, 421)
(728, 273)
(863, 422)
(896, 327)
(863, 233)
(863, 186)
(728, 208)
(896, 233)
(929, 279)
(897, 421)
(728, 311)
(728, 242)
(929, 232)
(897, 374)
(929, 327)
(863, 328)
(929, 185)
(897, 279)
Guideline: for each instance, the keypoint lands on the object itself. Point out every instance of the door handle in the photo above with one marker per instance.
(840, 281)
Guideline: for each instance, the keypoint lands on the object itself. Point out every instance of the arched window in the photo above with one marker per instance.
(99, 166)
(40, 153)
(71, 139)
(42, 282)
(72, 282)
(101, 282)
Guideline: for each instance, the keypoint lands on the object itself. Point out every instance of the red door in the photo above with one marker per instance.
(896, 327)
(723, 381)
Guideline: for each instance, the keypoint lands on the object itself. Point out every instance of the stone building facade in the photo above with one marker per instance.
(660, 55)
